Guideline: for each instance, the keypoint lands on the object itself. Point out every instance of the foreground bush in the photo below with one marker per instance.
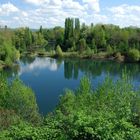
(16, 101)
(8, 118)
(106, 113)
(111, 112)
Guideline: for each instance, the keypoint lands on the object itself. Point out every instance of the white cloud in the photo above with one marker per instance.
(36, 2)
(125, 9)
(53, 13)
(50, 13)
(93, 5)
(6, 9)
(125, 15)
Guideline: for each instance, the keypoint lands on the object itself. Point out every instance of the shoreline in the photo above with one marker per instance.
(99, 56)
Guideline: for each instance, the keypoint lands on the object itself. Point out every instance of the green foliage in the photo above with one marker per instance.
(59, 52)
(85, 86)
(25, 131)
(134, 55)
(8, 118)
(8, 53)
(99, 38)
(82, 45)
(110, 112)
(109, 49)
(25, 40)
(105, 113)
(22, 38)
(18, 100)
(119, 57)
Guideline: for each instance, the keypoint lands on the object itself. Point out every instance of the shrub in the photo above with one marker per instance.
(119, 57)
(59, 52)
(134, 55)
(8, 118)
(105, 113)
(19, 100)
(109, 49)
(110, 112)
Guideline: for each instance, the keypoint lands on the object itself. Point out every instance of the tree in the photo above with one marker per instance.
(99, 36)
(8, 53)
(77, 30)
(41, 29)
(93, 46)
(109, 49)
(28, 37)
(82, 45)
(69, 33)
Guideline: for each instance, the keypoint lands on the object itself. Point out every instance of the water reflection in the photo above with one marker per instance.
(49, 77)
(38, 64)
(96, 68)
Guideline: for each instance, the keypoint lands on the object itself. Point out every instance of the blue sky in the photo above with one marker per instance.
(50, 13)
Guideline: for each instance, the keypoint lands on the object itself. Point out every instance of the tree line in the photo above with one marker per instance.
(107, 39)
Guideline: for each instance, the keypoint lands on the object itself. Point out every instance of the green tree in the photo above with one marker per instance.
(41, 29)
(82, 45)
(69, 33)
(77, 30)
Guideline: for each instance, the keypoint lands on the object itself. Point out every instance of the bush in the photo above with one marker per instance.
(119, 57)
(19, 100)
(111, 112)
(105, 113)
(134, 55)
(25, 131)
(8, 118)
(109, 49)
(59, 52)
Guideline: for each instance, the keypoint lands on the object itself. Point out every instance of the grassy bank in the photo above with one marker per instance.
(98, 56)
(116, 56)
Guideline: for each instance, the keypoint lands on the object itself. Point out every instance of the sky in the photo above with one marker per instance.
(50, 13)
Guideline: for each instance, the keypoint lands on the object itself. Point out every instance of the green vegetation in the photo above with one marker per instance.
(109, 112)
(134, 55)
(17, 102)
(76, 38)
(8, 52)
(59, 52)
(93, 41)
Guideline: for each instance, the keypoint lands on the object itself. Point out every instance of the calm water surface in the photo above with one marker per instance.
(50, 77)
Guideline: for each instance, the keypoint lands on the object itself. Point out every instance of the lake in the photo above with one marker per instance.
(49, 77)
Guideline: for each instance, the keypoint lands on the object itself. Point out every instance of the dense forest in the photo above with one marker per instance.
(75, 39)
